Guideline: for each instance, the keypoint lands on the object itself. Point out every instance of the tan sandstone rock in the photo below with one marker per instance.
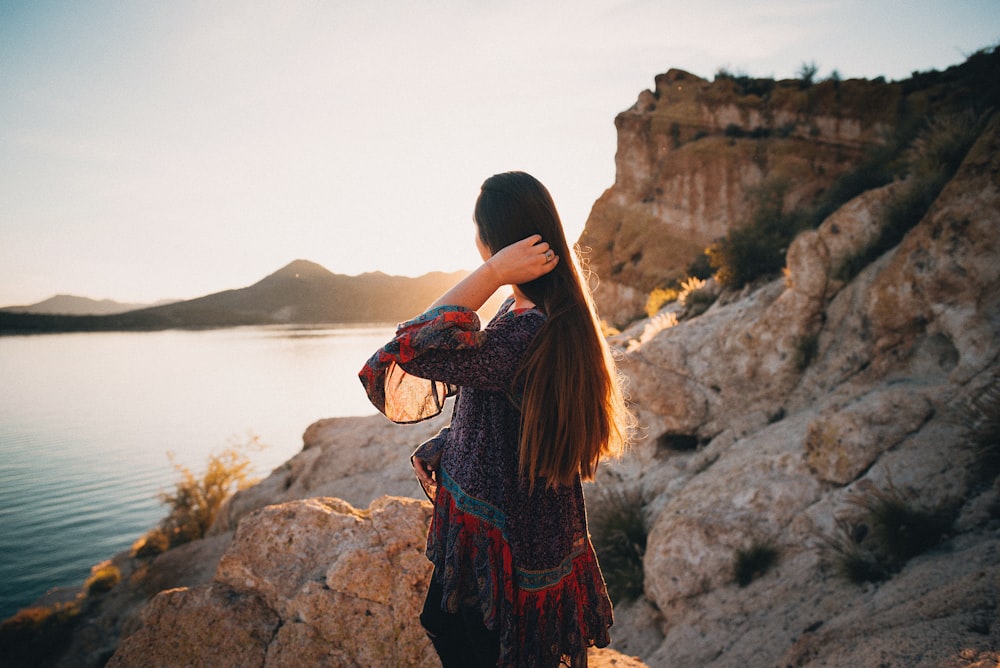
(843, 442)
(314, 580)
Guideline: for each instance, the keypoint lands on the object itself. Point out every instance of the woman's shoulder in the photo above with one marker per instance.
(507, 311)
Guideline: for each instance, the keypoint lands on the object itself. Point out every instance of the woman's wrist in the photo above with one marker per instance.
(495, 279)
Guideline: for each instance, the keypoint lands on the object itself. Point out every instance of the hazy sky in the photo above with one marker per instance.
(173, 149)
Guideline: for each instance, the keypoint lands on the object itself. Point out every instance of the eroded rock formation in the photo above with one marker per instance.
(901, 350)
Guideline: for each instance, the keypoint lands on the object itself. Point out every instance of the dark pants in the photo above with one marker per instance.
(461, 639)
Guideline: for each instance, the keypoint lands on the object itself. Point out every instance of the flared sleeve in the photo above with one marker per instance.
(405, 397)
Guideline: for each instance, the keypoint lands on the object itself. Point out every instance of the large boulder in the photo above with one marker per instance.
(313, 582)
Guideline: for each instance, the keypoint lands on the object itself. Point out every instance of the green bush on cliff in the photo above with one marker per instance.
(885, 529)
(930, 162)
(618, 532)
(757, 248)
(982, 431)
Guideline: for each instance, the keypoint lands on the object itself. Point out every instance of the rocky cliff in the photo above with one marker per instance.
(694, 156)
(816, 474)
(793, 454)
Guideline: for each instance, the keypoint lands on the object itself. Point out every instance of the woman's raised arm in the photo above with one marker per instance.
(522, 261)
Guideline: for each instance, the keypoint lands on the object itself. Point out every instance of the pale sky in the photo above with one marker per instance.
(172, 149)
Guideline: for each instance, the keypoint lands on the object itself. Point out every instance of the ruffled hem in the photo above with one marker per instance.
(544, 617)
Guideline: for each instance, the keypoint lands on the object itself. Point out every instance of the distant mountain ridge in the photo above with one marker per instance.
(302, 292)
(76, 305)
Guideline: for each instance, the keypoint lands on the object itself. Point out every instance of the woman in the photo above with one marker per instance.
(516, 581)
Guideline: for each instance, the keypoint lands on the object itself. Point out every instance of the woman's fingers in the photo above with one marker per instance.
(524, 260)
(425, 473)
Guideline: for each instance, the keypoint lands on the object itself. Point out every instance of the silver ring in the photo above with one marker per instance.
(548, 255)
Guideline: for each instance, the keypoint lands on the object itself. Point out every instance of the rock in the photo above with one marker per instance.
(691, 155)
(942, 612)
(208, 625)
(942, 277)
(843, 442)
(750, 494)
(311, 582)
(782, 447)
(356, 459)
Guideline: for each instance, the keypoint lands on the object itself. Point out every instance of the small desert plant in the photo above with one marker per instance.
(806, 348)
(688, 286)
(153, 543)
(658, 298)
(695, 296)
(36, 636)
(104, 577)
(752, 562)
(757, 248)
(196, 500)
(982, 431)
(618, 532)
(884, 529)
(807, 74)
(699, 301)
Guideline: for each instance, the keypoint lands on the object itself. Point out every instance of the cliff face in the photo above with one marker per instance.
(693, 156)
(791, 448)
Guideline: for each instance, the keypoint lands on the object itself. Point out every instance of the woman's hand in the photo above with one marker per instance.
(520, 262)
(523, 261)
(424, 471)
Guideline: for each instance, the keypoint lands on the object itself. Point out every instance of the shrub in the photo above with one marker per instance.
(982, 431)
(757, 248)
(618, 532)
(608, 330)
(196, 500)
(689, 286)
(658, 298)
(38, 635)
(153, 543)
(885, 529)
(931, 161)
(753, 562)
(874, 171)
(807, 73)
(701, 267)
(104, 577)
(806, 347)
(695, 296)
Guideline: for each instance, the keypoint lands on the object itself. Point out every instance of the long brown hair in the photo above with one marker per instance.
(572, 409)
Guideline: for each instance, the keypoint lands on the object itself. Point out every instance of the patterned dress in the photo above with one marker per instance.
(523, 558)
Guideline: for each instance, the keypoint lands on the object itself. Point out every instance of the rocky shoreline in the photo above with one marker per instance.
(815, 475)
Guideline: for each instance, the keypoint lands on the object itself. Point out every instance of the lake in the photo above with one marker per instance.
(87, 422)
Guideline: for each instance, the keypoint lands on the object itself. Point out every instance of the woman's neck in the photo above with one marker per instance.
(521, 300)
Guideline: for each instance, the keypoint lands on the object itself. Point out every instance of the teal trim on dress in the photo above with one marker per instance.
(470, 504)
(527, 580)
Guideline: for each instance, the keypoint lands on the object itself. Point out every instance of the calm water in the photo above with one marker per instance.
(87, 420)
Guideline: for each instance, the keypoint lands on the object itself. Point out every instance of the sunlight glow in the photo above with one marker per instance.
(162, 150)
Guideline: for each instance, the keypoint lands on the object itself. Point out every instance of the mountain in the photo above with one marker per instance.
(302, 293)
(75, 305)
